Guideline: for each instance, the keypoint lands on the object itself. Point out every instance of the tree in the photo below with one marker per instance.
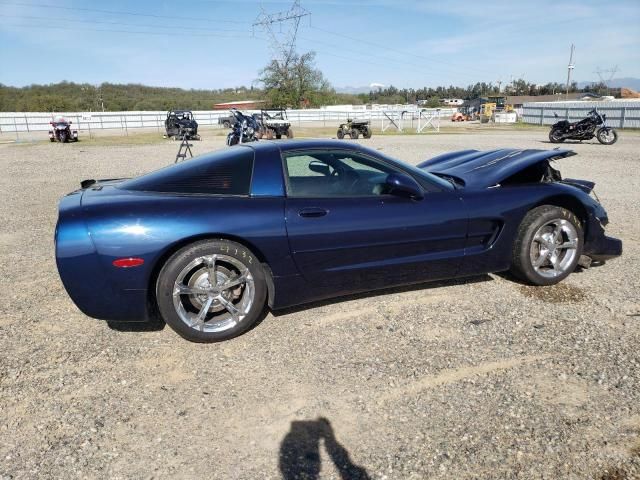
(295, 82)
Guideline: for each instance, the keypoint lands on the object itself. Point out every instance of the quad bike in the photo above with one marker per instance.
(180, 124)
(274, 123)
(585, 129)
(244, 130)
(354, 128)
(61, 131)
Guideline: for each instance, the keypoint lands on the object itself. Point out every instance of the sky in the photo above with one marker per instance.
(212, 44)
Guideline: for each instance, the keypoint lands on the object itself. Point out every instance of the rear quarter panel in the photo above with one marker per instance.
(149, 225)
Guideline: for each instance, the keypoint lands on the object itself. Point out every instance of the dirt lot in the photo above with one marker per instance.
(483, 378)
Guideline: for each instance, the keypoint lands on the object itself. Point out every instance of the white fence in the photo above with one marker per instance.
(15, 122)
(620, 114)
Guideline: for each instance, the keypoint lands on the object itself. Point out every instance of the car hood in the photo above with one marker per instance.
(478, 169)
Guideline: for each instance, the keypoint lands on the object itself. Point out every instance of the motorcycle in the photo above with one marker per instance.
(585, 129)
(244, 130)
(61, 131)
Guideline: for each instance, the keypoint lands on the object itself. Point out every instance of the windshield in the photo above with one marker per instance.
(418, 172)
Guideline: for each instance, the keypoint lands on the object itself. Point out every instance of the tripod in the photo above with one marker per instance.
(185, 147)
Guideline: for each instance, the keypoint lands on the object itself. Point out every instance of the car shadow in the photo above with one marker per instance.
(572, 142)
(299, 456)
(382, 292)
(154, 324)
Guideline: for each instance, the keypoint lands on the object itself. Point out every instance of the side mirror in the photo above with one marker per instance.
(319, 167)
(404, 186)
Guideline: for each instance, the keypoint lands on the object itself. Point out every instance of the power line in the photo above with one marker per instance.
(431, 59)
(116, 12)
(62, 27)
(208, 29)
(417, 68)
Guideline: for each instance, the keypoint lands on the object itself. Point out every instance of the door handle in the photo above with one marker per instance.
(313, 212)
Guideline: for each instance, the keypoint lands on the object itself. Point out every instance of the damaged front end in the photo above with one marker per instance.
(478, 170)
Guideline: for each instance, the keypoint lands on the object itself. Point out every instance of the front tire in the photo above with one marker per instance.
(211, 290)
(555, 136)
(607, 136)
(340, 134)
(354, 134)
(548, 245)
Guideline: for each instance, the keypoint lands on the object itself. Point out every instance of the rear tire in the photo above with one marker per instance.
(208, 312)
(555, 136)
(367, 133)
(548, 245)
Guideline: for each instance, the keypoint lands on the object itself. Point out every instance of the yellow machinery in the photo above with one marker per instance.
(486, 111)
(494, 104)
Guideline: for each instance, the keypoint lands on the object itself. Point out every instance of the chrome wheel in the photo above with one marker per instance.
(213, 293)
(554, 248)
(607, 136)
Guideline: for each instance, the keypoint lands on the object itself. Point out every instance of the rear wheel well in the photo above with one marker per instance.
(155, 272)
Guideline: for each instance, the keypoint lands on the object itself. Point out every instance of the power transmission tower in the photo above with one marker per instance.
(282, 38)
(601, 72)
(570, 67)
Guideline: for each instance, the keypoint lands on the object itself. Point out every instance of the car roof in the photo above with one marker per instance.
(286, 145)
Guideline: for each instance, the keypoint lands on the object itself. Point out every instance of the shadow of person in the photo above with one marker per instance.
(300, 452)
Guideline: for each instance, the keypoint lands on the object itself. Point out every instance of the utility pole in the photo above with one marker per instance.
(606, 82)
(283, 45)
(569, 68)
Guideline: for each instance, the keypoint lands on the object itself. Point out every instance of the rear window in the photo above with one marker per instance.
(227, 172)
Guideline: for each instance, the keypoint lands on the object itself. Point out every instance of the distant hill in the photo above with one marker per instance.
(628, 82)
(353, 90)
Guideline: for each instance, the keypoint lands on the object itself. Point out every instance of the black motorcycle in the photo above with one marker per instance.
(61, 131)
(244, 130)
(594, 125)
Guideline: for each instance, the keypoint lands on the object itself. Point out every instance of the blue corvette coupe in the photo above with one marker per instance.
(209, 242)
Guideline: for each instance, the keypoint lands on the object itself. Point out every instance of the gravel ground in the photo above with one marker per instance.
(483, 378)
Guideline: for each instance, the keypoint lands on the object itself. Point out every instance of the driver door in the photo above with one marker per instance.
(344, 230)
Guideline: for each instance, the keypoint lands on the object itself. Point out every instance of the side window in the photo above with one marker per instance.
(334, 174)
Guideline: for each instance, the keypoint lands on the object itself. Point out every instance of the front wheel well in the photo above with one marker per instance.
(570, 203)
(173, 248)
